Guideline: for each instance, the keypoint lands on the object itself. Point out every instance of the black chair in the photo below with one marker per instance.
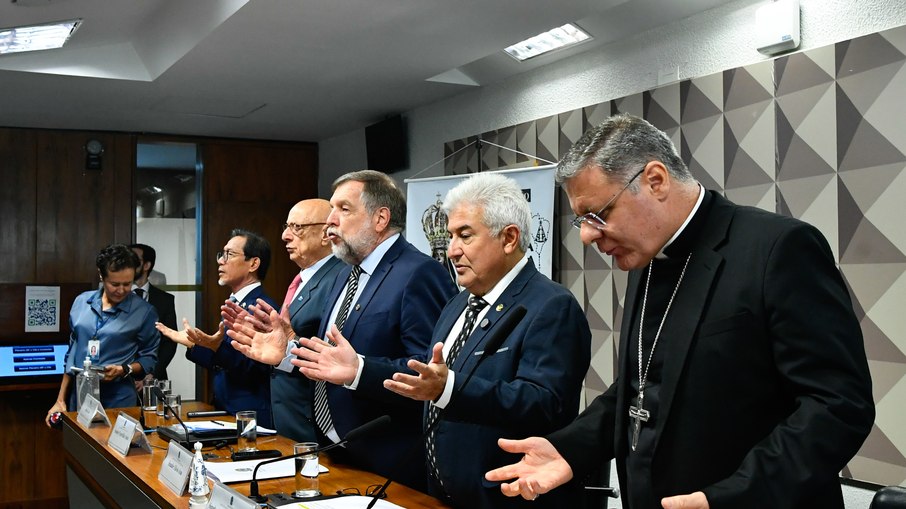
(890, 497)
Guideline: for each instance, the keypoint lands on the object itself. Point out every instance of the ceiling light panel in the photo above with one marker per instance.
(37, 37)
(554, 39)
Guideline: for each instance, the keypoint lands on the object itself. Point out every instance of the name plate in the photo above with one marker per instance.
(92, 408)
(127, 431)
(176, 469)
(224, 497)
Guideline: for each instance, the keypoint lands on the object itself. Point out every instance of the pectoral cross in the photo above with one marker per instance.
(638, 415)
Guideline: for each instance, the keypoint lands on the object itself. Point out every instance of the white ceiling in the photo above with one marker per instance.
(302, 70)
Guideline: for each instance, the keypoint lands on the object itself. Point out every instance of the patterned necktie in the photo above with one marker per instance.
(322, 411)
(140, 293)
(476, 304)
(291, 291)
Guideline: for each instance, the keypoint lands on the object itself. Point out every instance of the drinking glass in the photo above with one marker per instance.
(165, 388)
(175, 402)
(306, 470)
(246, 430)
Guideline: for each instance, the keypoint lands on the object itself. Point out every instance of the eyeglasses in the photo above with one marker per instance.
(369, 491)
(597, 220)
(297, 229)
(224, 256)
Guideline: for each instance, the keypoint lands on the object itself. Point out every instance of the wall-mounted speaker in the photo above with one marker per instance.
(386, 144)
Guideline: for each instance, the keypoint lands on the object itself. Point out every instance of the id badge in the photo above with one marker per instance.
(94, 350)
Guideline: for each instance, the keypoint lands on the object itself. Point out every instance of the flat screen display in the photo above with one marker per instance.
(18, 361)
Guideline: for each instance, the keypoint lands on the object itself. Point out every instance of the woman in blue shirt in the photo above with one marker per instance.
(115, 329)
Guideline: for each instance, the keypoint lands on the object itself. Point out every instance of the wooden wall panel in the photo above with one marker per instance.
(252, 185)
(17, 205)
(77, 208)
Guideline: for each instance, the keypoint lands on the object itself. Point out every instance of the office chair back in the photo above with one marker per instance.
(890, 497)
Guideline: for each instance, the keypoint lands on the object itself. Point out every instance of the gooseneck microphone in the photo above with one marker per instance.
(504, 327)
(159, 394)
(371, 427)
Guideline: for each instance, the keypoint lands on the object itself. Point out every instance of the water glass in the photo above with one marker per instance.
(246, 430)
(306, 470)
(165, 387)
(149, 402)
(175, 402)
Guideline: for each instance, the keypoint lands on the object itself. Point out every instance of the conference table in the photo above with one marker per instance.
(98, 476)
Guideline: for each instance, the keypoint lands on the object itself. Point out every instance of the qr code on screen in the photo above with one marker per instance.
(42, 312)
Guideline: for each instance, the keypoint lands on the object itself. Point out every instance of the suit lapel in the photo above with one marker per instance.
(690, 303)
(498, 309)
(305, 293)
(374, 282)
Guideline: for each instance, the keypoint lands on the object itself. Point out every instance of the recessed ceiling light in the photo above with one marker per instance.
(37, 37)
(557, 38)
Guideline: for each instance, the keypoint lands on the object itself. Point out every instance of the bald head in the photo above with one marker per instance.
(304, 234)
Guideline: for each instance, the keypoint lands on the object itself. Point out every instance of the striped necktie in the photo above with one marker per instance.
(476, 304)
(322, 410)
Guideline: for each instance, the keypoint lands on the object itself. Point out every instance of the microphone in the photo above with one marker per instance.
(162, 398)
(502, 331)
(371, 427)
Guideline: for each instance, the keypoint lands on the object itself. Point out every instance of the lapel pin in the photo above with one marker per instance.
(358, 307)
(484, 323)
(499, 307)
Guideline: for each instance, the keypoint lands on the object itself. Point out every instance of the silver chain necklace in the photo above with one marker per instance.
(638, 413)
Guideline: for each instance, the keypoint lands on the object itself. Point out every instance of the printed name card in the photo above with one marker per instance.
(176, 468)
(127, 431)
(224, 497)
(91, 409)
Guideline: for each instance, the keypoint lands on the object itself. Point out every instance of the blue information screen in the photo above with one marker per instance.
(31, 360)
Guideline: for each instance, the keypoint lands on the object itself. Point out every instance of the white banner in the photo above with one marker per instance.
(427, 232)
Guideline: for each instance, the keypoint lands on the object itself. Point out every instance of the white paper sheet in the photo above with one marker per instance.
(347, 502)
(241, 471)
(210, 425)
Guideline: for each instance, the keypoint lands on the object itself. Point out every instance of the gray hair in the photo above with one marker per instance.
(500, 199)
(379, 191)
(621, 146)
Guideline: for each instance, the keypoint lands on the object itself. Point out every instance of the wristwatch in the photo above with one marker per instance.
(127, 370)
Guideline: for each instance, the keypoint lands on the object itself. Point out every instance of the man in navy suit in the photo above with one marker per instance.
(240, 383)
(530, 384)
(162, 301)
(387, 300)
(743, 379)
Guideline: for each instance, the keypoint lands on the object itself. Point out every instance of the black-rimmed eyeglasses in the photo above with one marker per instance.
(224, 256)
(597, 220)
(297, 229)
(369, 491)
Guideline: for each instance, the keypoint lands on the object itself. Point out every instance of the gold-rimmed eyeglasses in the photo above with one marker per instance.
(597, 220)
(297, 229)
